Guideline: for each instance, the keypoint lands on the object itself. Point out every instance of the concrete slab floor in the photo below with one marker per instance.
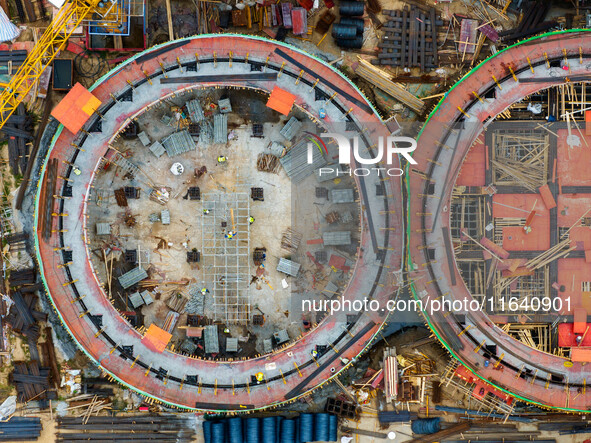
(285, 206)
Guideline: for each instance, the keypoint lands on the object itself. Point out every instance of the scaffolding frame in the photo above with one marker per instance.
(226, 264)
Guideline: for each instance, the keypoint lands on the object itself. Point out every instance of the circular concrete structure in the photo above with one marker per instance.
(79, 298)
(445, 140)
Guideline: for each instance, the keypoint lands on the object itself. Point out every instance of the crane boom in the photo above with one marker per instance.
(54, 39)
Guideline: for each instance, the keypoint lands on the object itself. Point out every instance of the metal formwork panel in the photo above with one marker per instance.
(295, 161)
(136, 300)
(336, 238)
(342, 196)
(231, 344)
(288, 267)
(195, 111)
(132, 277)
(291, 128)
(226, 258)
(220, 128)
(178, 143)
(225, 106)
(103, 228)
(157, 149)
(144, 138)
(147, 297)
(210, 339)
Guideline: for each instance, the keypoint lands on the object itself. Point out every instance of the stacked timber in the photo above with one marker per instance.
(11, 60)
(20, 429)
(531, 23)
(121, 429)
(410, 39)
(32, 381)
(23, 317)
(381, 79)
(29, 10)
(22, 277)
(18, 130)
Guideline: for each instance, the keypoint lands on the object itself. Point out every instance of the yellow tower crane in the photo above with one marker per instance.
(54, 39)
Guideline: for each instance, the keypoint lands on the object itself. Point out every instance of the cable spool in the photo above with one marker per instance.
(333, 423)
(351, 9)
(288, 431)
(426, 425)
(235, 434)
(207, 431)
(321, 427)
(359, 23)
(355, 43)
(218, 432)
(343, 31)
(278, 420)
(252, 427)
(306, 428)
(269, 430)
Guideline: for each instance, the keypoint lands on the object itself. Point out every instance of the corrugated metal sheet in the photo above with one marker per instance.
(136, 300)
(210, 339)
(291, 128)
(336, 238)
(220, 128)
(165, 216)
(267, 346)
(195, 111)
(178, 143)
(8, 31)
(342, 195)
(103, 228)
(231, 344)
(295, 161)
(225, 105)
(132, 277)
(157, 149)
(288, 267)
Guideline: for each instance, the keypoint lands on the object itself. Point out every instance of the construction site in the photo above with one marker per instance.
(295, 221)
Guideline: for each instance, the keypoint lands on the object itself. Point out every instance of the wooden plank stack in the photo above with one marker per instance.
(532, 22)
(410, 39)
(18, 129)
(381, 79)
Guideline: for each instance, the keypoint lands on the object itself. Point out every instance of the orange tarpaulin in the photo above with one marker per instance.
(281, 100)
(76, 108)
(156, 338)
(580, 354)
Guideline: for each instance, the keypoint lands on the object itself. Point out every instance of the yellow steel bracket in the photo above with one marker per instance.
(53, 40)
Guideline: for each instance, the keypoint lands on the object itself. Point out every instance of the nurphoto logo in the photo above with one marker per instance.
(387, 147)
